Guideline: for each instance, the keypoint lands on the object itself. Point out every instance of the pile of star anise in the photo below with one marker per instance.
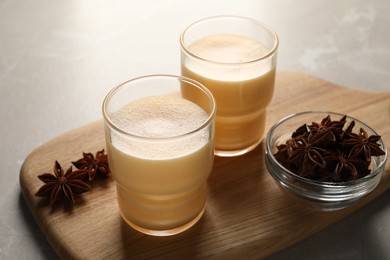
(62, 185)
(325, 152)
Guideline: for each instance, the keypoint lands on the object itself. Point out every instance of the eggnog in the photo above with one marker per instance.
(231, 67)
(162, 163)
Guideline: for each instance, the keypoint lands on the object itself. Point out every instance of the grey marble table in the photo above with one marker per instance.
(58, 59)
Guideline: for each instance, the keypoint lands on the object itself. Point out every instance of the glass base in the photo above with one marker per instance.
(232, 153)
(169, 232)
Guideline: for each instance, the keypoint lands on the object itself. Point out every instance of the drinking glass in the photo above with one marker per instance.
(160, 145)
(235, 58)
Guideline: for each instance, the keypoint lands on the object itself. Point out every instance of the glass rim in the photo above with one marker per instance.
(194, 83)
(271, 52)
(344, 184)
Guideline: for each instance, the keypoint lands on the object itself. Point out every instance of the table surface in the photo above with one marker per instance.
(58, 59)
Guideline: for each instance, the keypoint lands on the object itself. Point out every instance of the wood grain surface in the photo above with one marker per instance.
(247, 216)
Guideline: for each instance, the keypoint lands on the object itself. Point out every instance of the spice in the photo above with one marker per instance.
(97, 165)
(325, 152)
(362, 146)
(59, 185)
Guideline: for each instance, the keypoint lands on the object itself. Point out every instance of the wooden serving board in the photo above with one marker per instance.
(247, 215)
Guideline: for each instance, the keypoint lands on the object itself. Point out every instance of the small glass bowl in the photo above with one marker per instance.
(325, 196)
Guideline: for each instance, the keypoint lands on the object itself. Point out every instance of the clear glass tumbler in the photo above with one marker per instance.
(159, 133)
(235, 58)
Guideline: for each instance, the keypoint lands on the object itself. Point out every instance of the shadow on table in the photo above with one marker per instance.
(34, 231)
(350, 238)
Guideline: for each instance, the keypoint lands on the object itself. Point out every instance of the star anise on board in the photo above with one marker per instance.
(93, 165)
(62, 185)
(325, 152)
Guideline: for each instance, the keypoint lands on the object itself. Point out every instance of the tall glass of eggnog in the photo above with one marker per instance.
(235, 58)
(159, 133)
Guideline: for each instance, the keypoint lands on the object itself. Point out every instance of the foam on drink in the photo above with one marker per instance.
(160, 117)
(228, 49)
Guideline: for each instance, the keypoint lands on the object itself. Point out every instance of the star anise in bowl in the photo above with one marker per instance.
(327, 163)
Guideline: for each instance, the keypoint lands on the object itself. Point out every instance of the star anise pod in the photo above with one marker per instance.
(334, 128)
(285, 151)
(349, 128)
(361, 145)
(302, 130)
(345, 168)
(59, 185)
(307, 152)
(97, 165)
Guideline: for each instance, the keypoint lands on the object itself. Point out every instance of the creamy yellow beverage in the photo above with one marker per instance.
(242, 87)
(161, 180)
